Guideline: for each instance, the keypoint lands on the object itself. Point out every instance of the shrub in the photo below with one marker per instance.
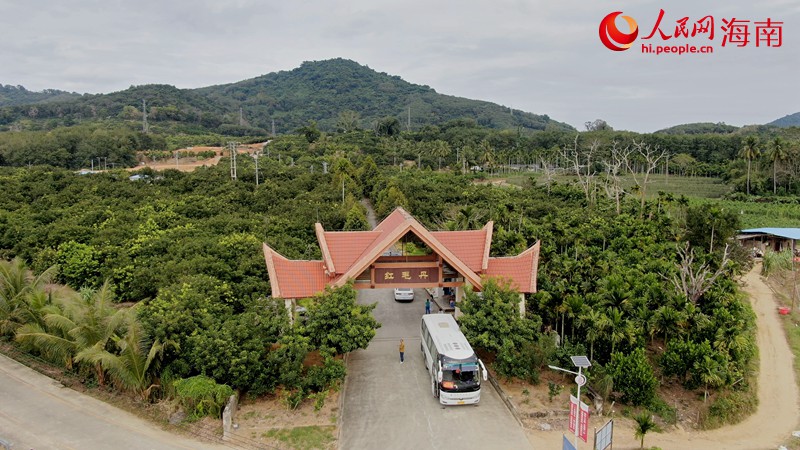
(293, 398)
(201, 396)
(321, 378)
(553, 389)
(633, 376)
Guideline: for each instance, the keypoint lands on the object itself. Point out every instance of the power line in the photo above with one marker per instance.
(144, 116)
(232, 148)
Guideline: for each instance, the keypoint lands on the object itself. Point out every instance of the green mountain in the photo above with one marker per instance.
(18, 95)
(318, 91)
(792, 120)
(700, 128)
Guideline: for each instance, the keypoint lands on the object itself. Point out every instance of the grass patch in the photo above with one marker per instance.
(790, 324)
(730, 407)
(304, 437)
(758, 214)
(667, 413)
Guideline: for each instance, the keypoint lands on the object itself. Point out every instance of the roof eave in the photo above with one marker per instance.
(323, 246)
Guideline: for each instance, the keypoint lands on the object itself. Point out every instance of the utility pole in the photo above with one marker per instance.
(144, 116)
(408, 120)
(255, 156)
(241, 117)
(273, 127)
(232, 148)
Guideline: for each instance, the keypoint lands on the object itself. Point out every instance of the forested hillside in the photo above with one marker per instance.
(792, 120)
(331, 93)
(700, 128)
(18, 95)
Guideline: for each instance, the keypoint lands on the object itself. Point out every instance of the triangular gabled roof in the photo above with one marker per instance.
(347, 254)
(394, 227)
(340, 249)
(471, 246)
(294, 279)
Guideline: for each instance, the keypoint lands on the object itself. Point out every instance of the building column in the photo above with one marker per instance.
(289, 303)
(522, 305)
(459, 295)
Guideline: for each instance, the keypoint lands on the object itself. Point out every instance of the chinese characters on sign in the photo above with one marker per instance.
(767, 33)
(729, 32)
(583, 425)
(387, 275)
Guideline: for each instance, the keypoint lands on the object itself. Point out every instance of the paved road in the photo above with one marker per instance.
(389, 405)
(37, 412)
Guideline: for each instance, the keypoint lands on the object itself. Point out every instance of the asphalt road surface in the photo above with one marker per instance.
(389, 405)
(38, 413)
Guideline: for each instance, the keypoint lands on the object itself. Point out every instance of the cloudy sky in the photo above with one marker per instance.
(540, 56)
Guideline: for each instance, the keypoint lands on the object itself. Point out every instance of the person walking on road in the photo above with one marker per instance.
(427, 306)
(402, 350)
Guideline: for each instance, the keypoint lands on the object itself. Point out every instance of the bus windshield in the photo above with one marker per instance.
(460, 375)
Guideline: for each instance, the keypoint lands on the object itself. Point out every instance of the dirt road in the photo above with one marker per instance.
(778, 411)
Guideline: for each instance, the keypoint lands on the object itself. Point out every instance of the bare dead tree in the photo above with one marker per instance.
(549, 173)
(619, 159)
(581, 161)
(694, 281)
(650, 156)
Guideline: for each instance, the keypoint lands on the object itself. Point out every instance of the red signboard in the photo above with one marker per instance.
(583, 425)
(583, 429)
(406, 275)
(573, 411)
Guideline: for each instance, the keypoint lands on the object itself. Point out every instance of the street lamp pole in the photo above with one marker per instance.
(580, 362)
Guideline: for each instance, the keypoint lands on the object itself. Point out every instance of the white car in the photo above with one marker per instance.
(404, 294)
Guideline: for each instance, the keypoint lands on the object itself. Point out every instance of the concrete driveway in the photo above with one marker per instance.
(389, 405)
(37, 412)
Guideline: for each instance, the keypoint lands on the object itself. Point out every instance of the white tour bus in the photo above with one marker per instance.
(454, 367)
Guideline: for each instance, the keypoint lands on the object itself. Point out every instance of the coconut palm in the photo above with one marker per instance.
(135, 365)
(644, 424)
(711, 374)
(777, 154)
(667, 320)
(21, 294)
(622, 330)
(597, 323)
(440, 149)
(487, 154)
(47, 335)
(74, 323)
(749, 152)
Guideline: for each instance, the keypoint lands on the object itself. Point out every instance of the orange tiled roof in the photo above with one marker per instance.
(520, 270)
(468, 246)
(393, 220)
(346, 247)
(294, 279)
(346, 254)
(392, 228)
